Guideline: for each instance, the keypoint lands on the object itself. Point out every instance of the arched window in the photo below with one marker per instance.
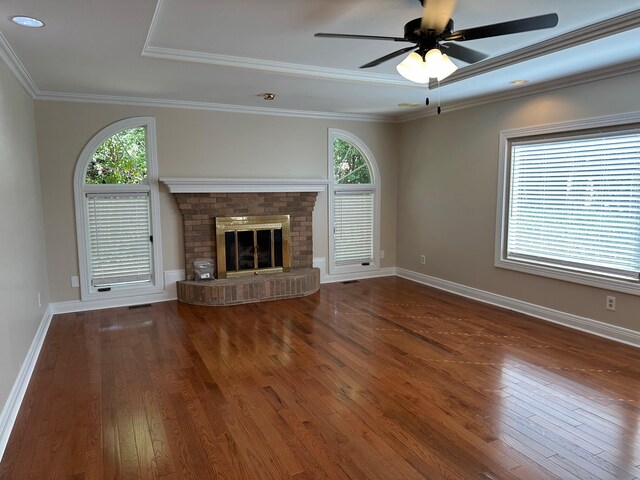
(117, 212)
(354, 200)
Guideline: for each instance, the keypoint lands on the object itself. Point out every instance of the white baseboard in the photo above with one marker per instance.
(321, 263)
(170, 293)
(326, 277)
(171, 277)
(588, 325)
(345, 277)
(12, 407)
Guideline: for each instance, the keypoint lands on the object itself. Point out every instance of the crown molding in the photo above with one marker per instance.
(517, 92)
(16, 67)
(596, 31)
(218, 107)
(530, 89)
(589, 33)
(293, 69)
(259, 64)
(522, 91)
(244, 185)
(152, 25)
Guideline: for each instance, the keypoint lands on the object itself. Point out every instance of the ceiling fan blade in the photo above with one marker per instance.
(465, 54)
(380, 60)
(361, 37)
(436, 14)
(540, 22)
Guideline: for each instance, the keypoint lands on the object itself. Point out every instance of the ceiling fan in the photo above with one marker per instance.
(433, 37)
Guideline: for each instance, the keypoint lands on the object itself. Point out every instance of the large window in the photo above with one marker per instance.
(116, 212)
(353, 209)
(571, 205)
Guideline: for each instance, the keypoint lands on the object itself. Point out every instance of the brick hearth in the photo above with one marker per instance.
(199, 211)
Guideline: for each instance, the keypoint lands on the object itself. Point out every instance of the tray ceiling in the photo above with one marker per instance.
(223, 54)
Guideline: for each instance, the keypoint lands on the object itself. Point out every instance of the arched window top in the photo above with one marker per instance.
(120, 159)
(122, 153)
(349, 164)
(352, 162)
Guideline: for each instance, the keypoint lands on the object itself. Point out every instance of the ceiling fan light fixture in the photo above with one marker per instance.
(435, 65)
(413, 68)
(447, 67)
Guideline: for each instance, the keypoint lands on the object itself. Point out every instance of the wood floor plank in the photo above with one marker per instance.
(376, 379)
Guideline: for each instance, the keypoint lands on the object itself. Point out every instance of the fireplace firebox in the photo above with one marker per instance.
(252, 245)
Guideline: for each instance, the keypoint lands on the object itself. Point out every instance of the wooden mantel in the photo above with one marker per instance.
(244, 185)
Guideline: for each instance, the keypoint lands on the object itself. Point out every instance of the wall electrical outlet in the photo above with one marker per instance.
(381, 253)
(423, 259)
(75, 281)
(611, 303)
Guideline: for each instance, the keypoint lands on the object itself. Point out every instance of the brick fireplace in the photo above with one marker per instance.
(200, 208)
(199, 211)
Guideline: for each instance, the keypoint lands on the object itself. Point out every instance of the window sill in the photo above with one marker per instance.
(612, 284)
(122, 292)
(336, 270)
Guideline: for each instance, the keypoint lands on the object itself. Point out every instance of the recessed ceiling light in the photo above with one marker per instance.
(27, 21)
(409, 105)
(518, 82)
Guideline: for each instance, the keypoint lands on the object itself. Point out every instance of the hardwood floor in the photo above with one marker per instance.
(378, 379)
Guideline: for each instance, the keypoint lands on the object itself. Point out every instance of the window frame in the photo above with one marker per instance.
(150, 186)
(373, 187)
(598, 125)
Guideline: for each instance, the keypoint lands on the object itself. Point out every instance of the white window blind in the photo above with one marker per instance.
(353, 228)
(119, 238)
(575, 204)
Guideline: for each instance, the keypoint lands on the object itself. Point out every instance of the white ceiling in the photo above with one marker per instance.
(223, 53)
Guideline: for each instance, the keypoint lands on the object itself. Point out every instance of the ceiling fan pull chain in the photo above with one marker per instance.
(439, 109)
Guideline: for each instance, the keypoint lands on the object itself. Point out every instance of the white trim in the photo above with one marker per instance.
(86, 291)
(244, 185)
(12, 406)
(85, 306)
(283, 68)
(170, 293)
(171, 277)
(588, 325)
(502, 203)
(589, 33)
(152, 25)
(605, 28)
(516, 92)
(217, 107)
(573, 125)
(16, 67)
(321, 263)
(375, 186)
(346, 277)
(529, 89)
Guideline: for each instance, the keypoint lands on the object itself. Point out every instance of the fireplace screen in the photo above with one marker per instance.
(252, 245)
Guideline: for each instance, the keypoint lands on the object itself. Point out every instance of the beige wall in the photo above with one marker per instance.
(23, 268)
(195, 143)
(447, 190)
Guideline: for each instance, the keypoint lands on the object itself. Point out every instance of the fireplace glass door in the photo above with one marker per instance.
(253, 249)
(251, 245)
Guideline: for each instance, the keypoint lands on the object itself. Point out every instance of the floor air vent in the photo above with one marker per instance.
(136, 307)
